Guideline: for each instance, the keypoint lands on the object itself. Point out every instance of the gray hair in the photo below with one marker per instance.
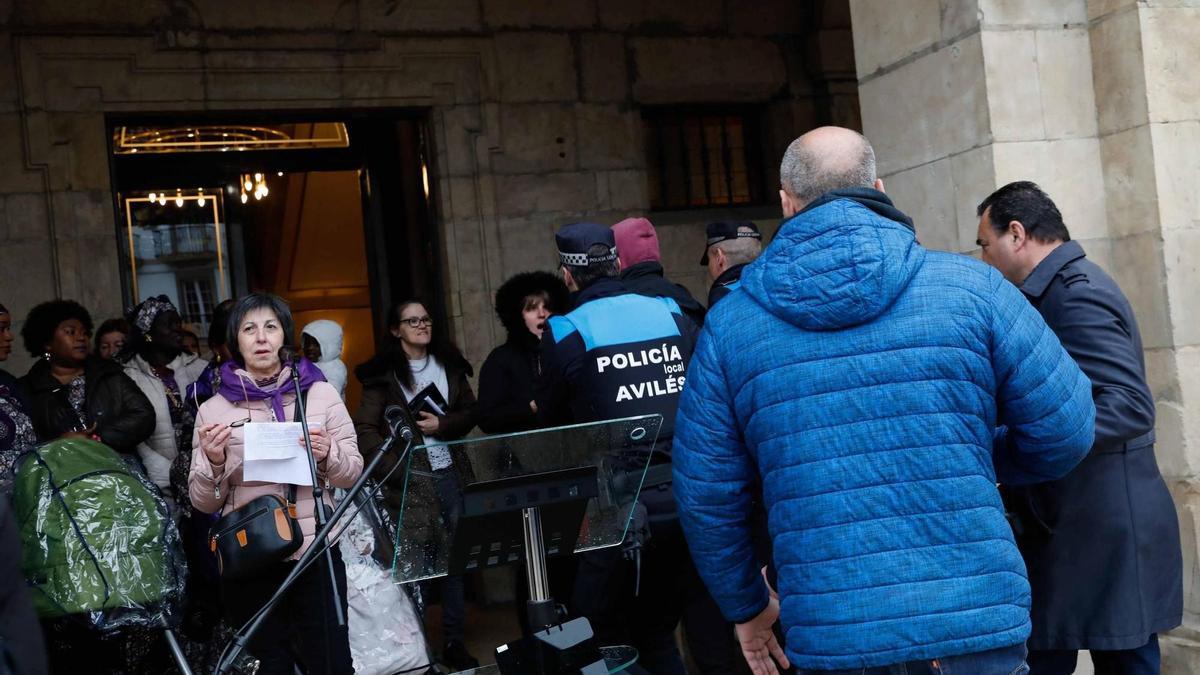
(277, 305)
(740, 251)
(807, 173)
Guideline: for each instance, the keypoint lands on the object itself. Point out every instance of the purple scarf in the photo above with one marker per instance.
(237, 385)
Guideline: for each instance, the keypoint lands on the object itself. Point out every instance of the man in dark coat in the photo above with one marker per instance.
(729, 246)
(1102, 543)
(642, 270)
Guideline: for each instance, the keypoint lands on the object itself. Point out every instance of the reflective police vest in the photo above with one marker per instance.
(620, 356)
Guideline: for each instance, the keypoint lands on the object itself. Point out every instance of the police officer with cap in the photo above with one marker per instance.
(731, 245)
(589, 374)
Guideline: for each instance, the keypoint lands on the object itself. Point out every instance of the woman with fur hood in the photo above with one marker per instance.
(523, 303)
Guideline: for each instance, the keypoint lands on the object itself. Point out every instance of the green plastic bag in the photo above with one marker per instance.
(97, 538)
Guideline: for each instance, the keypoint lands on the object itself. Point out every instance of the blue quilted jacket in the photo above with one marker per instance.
(863, 379)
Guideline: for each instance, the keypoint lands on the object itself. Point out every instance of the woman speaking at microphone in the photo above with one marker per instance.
(258, 387)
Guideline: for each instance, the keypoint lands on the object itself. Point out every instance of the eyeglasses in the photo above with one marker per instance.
(417, 321)
(239, 423)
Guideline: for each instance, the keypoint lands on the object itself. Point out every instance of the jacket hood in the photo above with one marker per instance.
(510, 301)
(840, 262)
(328, 334)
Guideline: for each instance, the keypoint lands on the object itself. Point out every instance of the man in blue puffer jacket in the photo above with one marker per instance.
(867, 380)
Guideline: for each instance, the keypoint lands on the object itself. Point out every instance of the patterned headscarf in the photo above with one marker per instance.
(142, 316)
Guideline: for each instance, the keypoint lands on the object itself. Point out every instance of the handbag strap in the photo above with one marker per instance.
(290, 490)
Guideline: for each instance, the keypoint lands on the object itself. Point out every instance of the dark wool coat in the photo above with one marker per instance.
(380, 389)
(122, 413)
(1102, 543)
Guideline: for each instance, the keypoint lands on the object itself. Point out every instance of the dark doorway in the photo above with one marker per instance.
(331, 212)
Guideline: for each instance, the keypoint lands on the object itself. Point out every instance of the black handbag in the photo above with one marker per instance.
(259, 535)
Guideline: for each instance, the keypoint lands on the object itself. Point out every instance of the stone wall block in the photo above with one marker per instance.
(1171, 45)
(974, 176)
(701, 70)
(1137, 265)
(1118, 73)
(1173, 462)
(925, 194)
(882, 38)
(625, 190)
(9, 94)
(457, 129)
(535, 67)
(603, 67)
(435, 16)
(528, 194)
(662, 15)
(1177, 173)
(769, 17)
(680, 246)
(928, 109)
(1162, 373)
(539, 13)
(610, 137)
(1014, 93)
(536, 137)
(1189, 385)
(527, 244)
(1064, 63)
(25, 285)
(83, 214)
(1097, 9)
(1180, 249)
(108, 13)
(958, 17)
(1068, 170)
(14, 177)
(84, 144)
(1130, 184)
(1032, 12)
(28, 217)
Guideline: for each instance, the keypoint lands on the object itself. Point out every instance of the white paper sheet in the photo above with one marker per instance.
(273, 454)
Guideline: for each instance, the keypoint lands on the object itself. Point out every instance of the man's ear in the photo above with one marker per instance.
(1017, 231)
(787, 204)
(568, 279)
(879, 185)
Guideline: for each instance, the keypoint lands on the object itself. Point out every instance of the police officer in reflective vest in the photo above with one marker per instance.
(619, 354)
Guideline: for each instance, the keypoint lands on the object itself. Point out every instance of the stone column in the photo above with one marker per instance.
(1098, 102)
(1148, 113)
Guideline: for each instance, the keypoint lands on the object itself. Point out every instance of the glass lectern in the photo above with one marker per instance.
(519, 498)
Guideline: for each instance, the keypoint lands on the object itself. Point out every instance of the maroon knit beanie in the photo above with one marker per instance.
(636, 241)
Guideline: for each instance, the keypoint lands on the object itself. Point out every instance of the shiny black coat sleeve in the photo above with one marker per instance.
(127, 417)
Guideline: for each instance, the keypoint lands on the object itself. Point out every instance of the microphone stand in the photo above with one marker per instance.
(236, 658)
(317, 491)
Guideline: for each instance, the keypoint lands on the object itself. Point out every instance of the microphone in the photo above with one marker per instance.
(397, 423)
(288, 355)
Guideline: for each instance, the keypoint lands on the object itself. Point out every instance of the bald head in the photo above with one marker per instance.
(824, 159)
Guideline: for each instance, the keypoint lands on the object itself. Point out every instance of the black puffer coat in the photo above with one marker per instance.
(646, 278)
(122, 413)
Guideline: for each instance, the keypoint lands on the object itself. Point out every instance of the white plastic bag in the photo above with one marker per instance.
(385, 632)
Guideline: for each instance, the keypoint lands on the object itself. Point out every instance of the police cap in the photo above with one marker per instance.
(724, 231)
(575, 239)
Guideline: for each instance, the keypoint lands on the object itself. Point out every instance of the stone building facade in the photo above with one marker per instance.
(1098, 102)
(536, 108)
